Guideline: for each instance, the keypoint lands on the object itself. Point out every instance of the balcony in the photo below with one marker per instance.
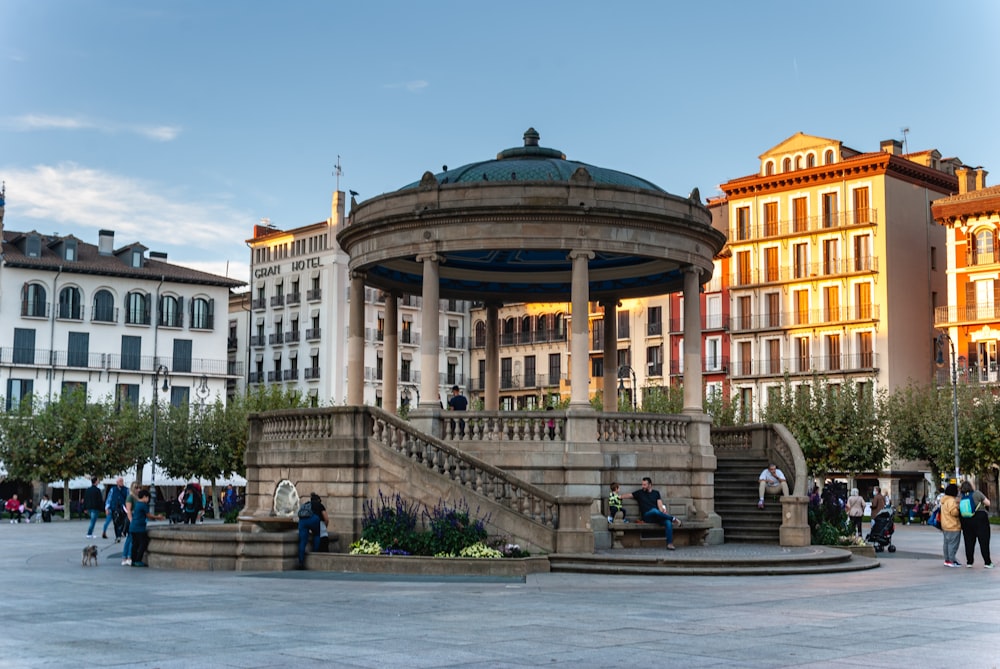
(290, 375)
(314, 294)
(255, 377)
(256, 341)
(865, 362)
(976, 258)
(274, 338)
(231, 343)
(292, 337)
(709, 366)
(277, 300)
(797, 319)
(310, 373)
(804, 271)
(803, 225)
(293, 298)
(654, 329)
(313, 334)
(104, 315)
(970, 313)
(258, 304)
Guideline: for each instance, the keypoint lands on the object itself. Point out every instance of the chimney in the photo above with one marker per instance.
(980, 178)
(106, 242)
(158, 255)
(892, 146)
(966, 179)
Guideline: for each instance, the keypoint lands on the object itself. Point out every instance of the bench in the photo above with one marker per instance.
(638, 534)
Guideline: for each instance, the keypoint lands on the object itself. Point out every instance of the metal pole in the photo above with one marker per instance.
(156, 402)
(954, 397)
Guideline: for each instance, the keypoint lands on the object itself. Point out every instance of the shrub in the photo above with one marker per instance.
(364, 547)
(452, 529)
(480, 550)
(393, 524)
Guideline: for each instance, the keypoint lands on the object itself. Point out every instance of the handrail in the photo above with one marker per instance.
(469, 471)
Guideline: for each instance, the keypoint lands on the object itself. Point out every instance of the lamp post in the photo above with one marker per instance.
(954, 388)
(161, 369)
(623, 372)
(203, 390)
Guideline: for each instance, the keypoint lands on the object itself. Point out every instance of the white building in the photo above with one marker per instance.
(292, 328)
(76, 314)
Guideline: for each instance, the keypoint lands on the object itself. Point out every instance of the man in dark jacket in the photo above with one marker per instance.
(114, 504)
(93, 502)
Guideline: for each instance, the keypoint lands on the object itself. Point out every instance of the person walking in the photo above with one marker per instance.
(93, 502)
(977, 526)
(951, 526)
(855, 510)
(114, 506)
(878, 503)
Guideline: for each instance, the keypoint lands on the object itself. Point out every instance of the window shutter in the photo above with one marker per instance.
(180, 312)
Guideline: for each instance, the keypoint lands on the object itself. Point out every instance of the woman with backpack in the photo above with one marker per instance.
(951, 526)
(973, 506)
(311, 515)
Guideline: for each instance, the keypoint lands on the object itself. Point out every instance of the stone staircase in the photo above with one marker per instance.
(736, 502)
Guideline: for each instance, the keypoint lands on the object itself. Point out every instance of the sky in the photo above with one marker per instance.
(182, 124)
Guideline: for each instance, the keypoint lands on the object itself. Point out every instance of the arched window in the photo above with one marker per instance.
(769, 168)
(811, 160)
(828, 157)
(137, 309)
(201, 314)
(985, 248)
(526, 330)
(69, 303)
(480, 334)
(786, 165)
(104, 307)
(559, 327)
(508, 334)
(798, 162)
(33, 302)
(542, 328)
(170, 311)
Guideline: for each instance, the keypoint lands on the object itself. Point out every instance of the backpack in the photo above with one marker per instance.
(306, 510)
(967, 506)
(935, 517)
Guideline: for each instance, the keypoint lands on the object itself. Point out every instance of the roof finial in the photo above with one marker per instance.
(531, 137)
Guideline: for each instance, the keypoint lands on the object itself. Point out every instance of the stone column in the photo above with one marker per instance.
(693, 394)
(390, 354)
(491, 384)
(356, 341)
(579, 346)
(430, 325)
(610, 355)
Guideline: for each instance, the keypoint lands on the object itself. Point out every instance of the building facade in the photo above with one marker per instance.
(292, 328)
(109, 320)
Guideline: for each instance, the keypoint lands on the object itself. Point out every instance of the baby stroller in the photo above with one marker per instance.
(882, 529)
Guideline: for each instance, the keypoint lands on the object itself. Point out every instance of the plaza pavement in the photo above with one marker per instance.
(910, 612)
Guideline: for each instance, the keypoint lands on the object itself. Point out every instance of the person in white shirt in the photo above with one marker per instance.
(772, 481)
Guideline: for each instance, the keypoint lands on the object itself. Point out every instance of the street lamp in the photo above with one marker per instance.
(202, 390)
(954, 387)
(623, 372)
(161, 369)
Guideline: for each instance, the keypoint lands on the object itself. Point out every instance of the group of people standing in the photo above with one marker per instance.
(964, 515)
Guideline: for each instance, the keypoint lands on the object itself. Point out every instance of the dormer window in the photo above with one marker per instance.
(136, 258)
(69, 250)
(33, 246)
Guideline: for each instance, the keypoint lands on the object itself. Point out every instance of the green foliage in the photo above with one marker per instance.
(725, 411)
(826, 527)
(451, 528)
(392, 523)
(836, 425)
(663, 399)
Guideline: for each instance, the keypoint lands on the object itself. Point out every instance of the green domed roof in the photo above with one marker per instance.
(534, 163)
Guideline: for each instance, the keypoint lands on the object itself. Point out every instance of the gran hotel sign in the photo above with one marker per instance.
(294, 266)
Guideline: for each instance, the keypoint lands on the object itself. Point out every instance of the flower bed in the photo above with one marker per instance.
(427, 566)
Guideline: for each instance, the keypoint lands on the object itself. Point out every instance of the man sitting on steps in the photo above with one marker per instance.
(652, 509)
(772, 481)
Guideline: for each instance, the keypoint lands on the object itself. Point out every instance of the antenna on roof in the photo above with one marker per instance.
(906, 131)
(338, 172)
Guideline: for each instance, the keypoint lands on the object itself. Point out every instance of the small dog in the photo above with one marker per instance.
(89, 555)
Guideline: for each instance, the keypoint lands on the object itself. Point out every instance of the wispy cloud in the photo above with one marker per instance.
(82, 200)
(35, 122)
(414, 86)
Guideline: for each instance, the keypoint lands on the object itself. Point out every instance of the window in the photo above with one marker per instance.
(773, 309)
(78, 349)
(774, 356)
(833, 352)
(654, 323)
(541, 328)
(33, 303)
(529, 372)
(202, 317)
(713, 312)
(137, 305)
(802, 353)
(746, 358)
(524, 330)
(801, 298)
(865, 354)
(104, 307)
(33, 246)
(480, 334)
(555, 369)
(743, 268)
(182, 355)
(69, 303)
(831, 257)
(451, 373)
(828, 157)
(406, 336)
(24, 346)
(597, 335)
(69, 250)
(800, 213)
(746, 312)
(811, 160)
(771, 264)
(18, 391)
(983, 245)
(786, 165)
(506, 373)
(862, 253)
(452, 341)
(404, 370)
(742, 223)
(829, 210)
(179, 396)
(769, 168)
(654, 361)
(831, 304)
(170, 311)
(798, 162)
(136, 258)
(746, 404)
(801, 260)
(481, 381)
(70, 387)
(131, 352)
(623, 325)
(863, 300)
(862, 211)
(127, 393)
(770, 219)
(713, 354)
